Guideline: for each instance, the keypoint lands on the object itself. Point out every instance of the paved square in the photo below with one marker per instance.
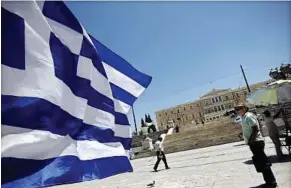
(225, 166)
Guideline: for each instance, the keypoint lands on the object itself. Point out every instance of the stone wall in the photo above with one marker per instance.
(202, 136)
(223, 120)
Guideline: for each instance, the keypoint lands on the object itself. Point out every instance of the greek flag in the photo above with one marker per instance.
(65, 97)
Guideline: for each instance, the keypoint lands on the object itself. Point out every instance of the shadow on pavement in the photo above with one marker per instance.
(273, 159)
(210, 163)
(259, 186)
(238, 145)
(159, 170)
(188, 159)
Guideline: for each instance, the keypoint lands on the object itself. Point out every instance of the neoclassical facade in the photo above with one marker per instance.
(209, 107)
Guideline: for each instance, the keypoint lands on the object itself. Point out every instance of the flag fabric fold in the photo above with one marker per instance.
(65, 99)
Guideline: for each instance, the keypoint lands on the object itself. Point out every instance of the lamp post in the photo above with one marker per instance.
(282, 73)
(274, 73)
(134, 120)
(243, 72)
(286, 69)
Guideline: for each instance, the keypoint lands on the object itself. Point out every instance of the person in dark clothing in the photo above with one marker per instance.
(262, 163)
(253, 138)
(160, 154)
(177, 128)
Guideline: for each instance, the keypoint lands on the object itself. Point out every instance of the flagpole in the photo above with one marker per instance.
(134, 120)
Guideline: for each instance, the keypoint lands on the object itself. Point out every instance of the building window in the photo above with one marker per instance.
(215, 109)
(216, 99)
(213, 101)
(219, 109)
(190, 117)
(178, 110)
(184, 108)
(210, 119)
(222, 107)
(237, 95)
(166, 113)
(226, 98)
(206, 102)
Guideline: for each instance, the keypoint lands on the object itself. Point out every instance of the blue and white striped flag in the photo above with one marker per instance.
(65, 97)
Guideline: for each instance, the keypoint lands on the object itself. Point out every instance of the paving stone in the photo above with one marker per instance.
(212, 167)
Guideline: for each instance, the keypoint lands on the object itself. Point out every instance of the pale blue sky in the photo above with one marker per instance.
(191, 47)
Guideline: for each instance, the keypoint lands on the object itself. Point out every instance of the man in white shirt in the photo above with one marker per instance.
(160, 154)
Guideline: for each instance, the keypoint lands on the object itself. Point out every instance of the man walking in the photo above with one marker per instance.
(253, 138)
(273, 132)
(160, 154)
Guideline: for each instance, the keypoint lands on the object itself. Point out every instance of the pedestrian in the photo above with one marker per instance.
(177, 129)
(253, 138)
(273, 132)
(259, 118)
(160, 154)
